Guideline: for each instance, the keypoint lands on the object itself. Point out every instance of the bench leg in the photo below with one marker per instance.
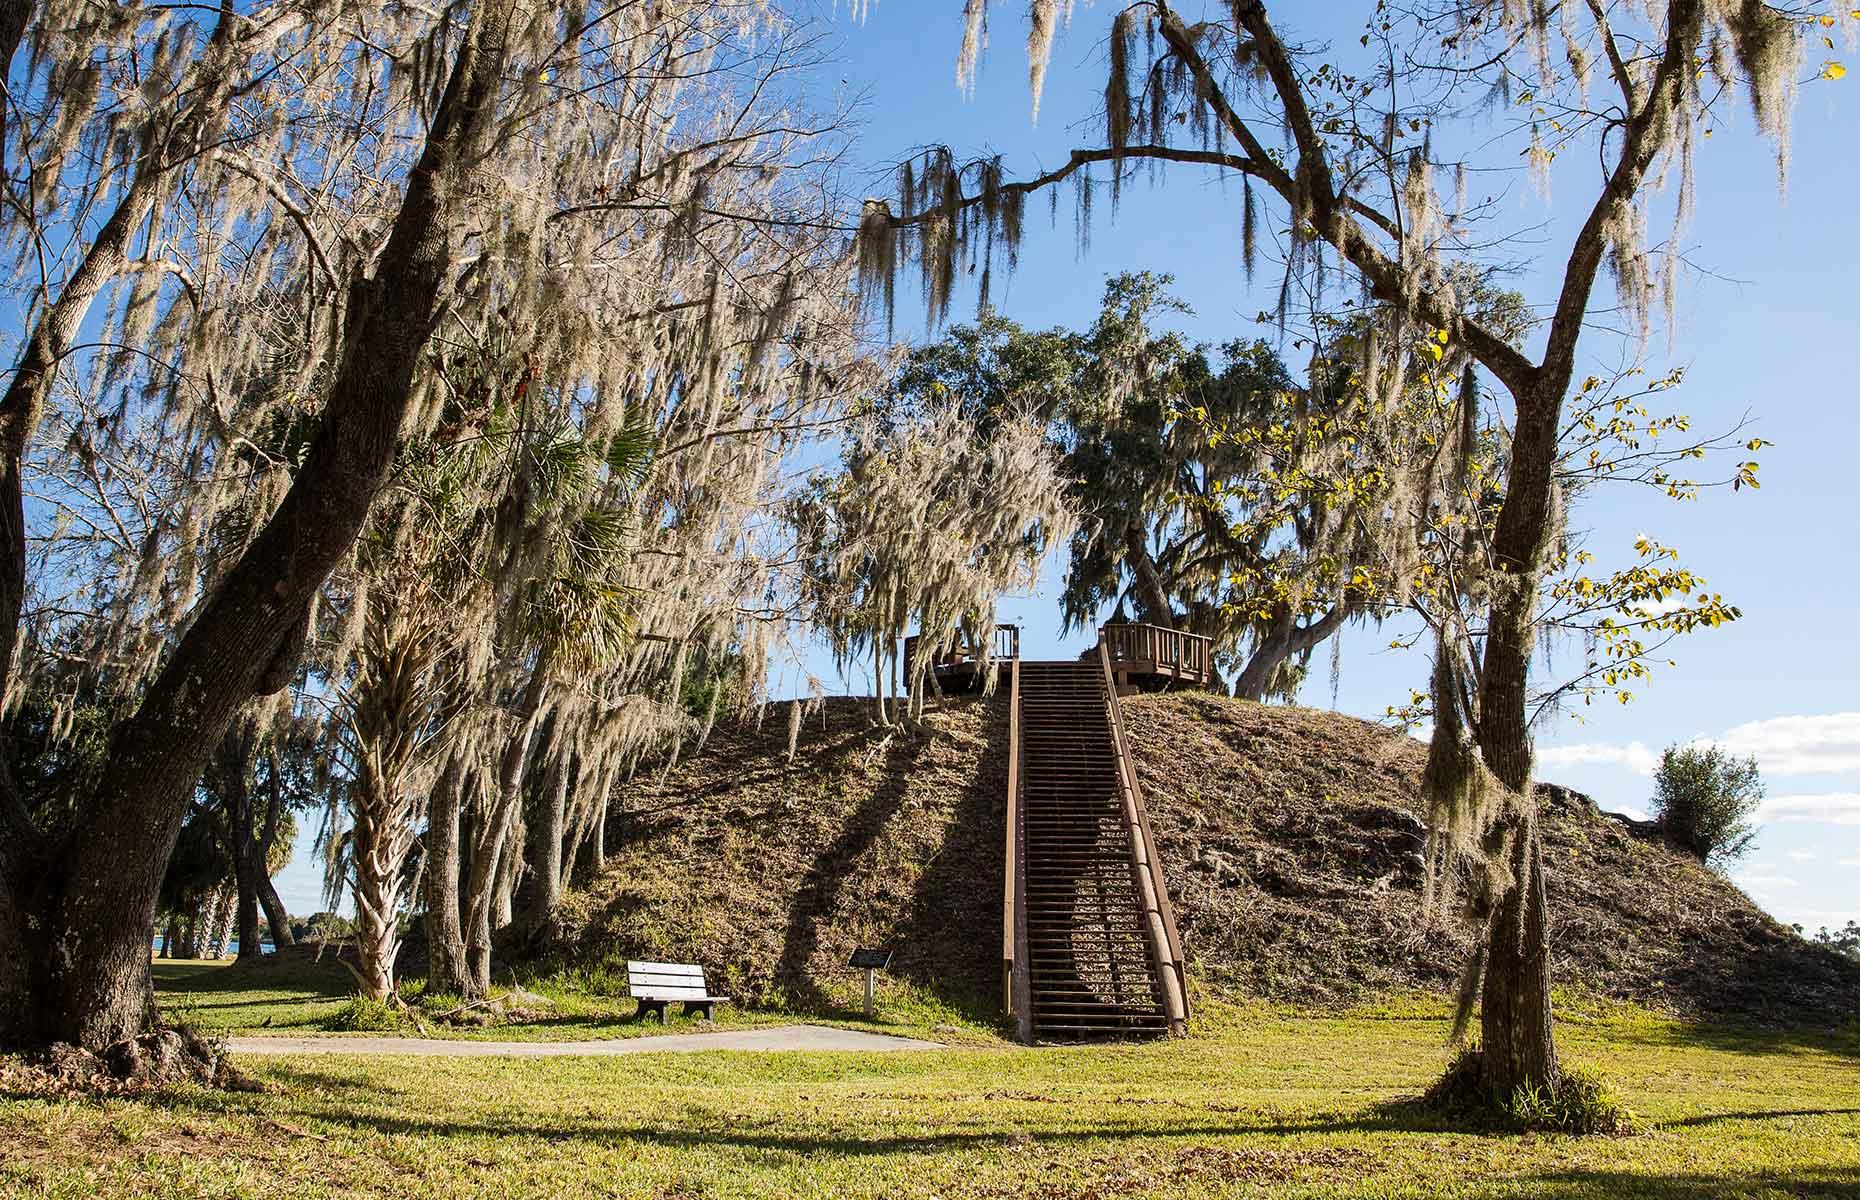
(650, 1007)
(700, 1007)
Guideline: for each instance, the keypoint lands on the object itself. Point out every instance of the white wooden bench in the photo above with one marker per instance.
(656, 984)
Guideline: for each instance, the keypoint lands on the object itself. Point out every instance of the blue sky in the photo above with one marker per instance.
(1768, 328)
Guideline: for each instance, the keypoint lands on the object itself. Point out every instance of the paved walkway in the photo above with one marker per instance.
(774, 1037)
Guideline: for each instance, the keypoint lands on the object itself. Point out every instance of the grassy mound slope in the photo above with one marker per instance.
(771, 874)
(1291, 840)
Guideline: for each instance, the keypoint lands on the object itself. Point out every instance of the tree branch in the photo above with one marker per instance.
(1261, 167)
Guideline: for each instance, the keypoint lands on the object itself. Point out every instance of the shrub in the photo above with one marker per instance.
(1703, 799)
(362, 1015)
(1579, 1102)
(1841, 941)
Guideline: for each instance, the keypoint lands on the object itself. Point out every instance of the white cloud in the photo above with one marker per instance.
(1827, 744)
(1801, 745)
(1850, 862)
(1811, 919)
(1632, 813)
(1635, 756)
(1802, 855)
(1835, 808)
(1760, 880)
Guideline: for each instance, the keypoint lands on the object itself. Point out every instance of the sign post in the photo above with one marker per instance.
(871, 961)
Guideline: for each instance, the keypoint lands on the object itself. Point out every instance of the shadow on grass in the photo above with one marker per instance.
(1768, 1115)
(747, 1133)
(1760, 1041)
(1831, 1183)
(818, 895)
(953, 937)
(325, 980)
(364, 1085)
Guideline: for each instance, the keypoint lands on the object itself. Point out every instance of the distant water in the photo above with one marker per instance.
(232, 947)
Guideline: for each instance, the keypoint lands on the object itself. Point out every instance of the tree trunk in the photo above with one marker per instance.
(597, 840)
(219, 921)
(276, 916)
(1515, 1018)
(446, 967)
(378, 861)
(510, 872)
(491, 855)
(1516, 1034)
(76, 920)
(585, 858)
(1287, 639)
(546, 858)
(248, 863)
(245, 919)
(1152, 594)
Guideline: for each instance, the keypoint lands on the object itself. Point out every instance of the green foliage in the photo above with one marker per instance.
(713, 683)
(1221, 496)
(197, 866)
(1580, 1101)
(363, 1015)
(323, 927)
(1845, 940)
(55, 745)
(1705, 799)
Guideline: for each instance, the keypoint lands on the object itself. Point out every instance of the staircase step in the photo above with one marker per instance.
(1088, 957)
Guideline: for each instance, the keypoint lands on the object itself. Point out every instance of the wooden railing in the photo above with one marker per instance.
(1145, 864)
(1158, 651)
(1005, 646)
(1016, 985)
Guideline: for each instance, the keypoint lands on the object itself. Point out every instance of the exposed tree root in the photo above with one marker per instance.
(162, 1058)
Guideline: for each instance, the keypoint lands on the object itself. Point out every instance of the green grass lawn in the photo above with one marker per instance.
(1256, 1102)
(301, 997)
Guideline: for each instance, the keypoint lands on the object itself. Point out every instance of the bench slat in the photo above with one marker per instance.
(669, 983)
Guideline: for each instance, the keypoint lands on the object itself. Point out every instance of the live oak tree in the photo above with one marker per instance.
(595, 492)
(1348, 158)
(933, 516)
(75, 914)
(1218, 496)
(249, 795)
(275, 216)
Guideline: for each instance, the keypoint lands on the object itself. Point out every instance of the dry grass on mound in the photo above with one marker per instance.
(1291, 838)
(772, 873)
(1292, 841)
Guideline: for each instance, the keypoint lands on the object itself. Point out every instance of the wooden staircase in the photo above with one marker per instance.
(1091, 933)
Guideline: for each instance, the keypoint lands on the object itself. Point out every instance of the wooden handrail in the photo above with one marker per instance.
(1159, 650)
(1005, 641)
(1146, 865)
(1016, 986)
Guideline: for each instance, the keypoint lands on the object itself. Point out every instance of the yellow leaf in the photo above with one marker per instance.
(1827, 22)
(1833, 70)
